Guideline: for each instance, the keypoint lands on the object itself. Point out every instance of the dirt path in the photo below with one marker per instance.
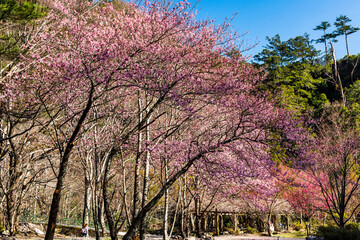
(252, 237)
(158, 237)
(231, 237)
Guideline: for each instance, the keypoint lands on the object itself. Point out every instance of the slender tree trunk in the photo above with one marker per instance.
(95, 216)
(54, 209)
(326, 51)
(146, 178)
(217, 223)
(197, 217)
(87, 200)
(269, 224)
(347, 46)
(176, 212)
(142, 214)
(35, 201)
(337, 78)
(101, 216)
(109, 217)
(166, 207)
(136, 198)
(183, 211)
(12, 189)
(126, 207)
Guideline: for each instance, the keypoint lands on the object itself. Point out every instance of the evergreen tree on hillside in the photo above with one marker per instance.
(343, 28)
(323, 26)
(293, 72)
(18, 25)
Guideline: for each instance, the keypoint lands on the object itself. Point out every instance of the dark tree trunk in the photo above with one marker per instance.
(87, 199)
(142, 214)
(62, 171)
(109, 217)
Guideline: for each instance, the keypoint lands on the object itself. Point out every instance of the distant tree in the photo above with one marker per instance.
(353, 102)
(292, 71)
(20, 21)
(274, 54)
(343, 28)
(324, 25)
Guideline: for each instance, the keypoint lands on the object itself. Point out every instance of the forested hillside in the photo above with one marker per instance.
(137, 117)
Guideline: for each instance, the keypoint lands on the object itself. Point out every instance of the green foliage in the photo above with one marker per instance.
(293, 74)
(20, 10)
(353, 102)
(352, 226)
(342, 26)
(16, 18)
(298, 226)
(350, 232)
(1, 227)
(251, 230)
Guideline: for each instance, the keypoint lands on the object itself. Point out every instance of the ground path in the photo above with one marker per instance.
(252, 237)
(153, 237)
(232, 237)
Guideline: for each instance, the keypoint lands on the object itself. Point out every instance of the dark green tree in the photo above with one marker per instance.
(323, 26)
(343, 28)
(18, 26)
(293, 72)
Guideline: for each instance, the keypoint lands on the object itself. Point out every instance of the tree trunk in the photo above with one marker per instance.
(183, 213)
(146, 177)
(197, 217)
(217, 223)
(142, 214)
(109, 217)
(166, 207)
(347, 46)
(54, 209)
(269, 225)
(136, 198)
(95, 216)
(101, 217)
(87, 200)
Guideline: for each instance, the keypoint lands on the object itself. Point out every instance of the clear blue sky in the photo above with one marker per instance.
(288, 18)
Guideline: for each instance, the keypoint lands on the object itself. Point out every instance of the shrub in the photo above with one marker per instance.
(251, 230)
(298, 226)
(335, 233)
(352, 226)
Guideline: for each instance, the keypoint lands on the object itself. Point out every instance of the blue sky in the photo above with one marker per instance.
(288, 18)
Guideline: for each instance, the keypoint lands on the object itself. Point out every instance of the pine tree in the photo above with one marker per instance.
(343, 28)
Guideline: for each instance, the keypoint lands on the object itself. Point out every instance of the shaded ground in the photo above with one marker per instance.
(251, 237)
(150, 237)
(153, 237)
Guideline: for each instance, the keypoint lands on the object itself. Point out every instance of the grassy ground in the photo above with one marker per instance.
(297, 234)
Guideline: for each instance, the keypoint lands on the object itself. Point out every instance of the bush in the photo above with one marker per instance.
(352, 226)
(251, 230)
(298, 226)
(335, 233)
(1, 226)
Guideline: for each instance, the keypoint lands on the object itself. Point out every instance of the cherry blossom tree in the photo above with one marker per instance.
(304, 195)
(336, 172)
(105, 57)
